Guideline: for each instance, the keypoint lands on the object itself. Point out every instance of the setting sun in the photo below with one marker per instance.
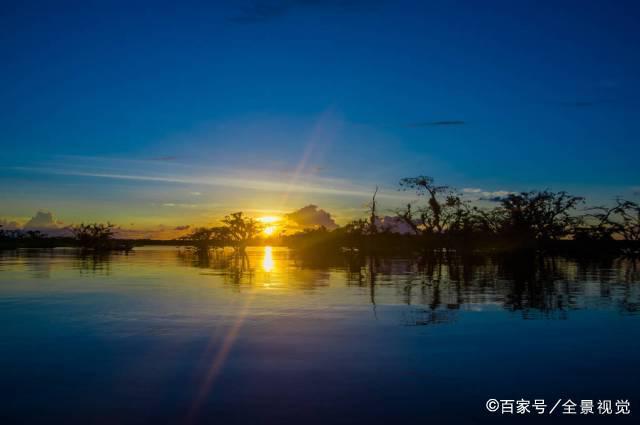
(270, 226)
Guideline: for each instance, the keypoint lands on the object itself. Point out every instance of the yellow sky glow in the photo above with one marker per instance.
(268, 219)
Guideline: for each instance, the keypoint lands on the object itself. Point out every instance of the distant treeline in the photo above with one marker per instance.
(96, 237)
(441, 218)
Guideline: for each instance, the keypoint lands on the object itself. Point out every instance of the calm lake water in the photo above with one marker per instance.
(163, 335)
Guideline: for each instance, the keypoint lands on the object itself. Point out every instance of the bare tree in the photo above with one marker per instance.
(373, 215)
(620, 221)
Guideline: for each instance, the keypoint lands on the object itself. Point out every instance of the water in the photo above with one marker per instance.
(163, 335)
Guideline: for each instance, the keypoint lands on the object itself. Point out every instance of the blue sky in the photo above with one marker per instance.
(124, 112)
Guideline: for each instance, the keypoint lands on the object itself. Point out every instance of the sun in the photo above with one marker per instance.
(270, 227)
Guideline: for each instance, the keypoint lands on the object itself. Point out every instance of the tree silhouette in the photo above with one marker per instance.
(241, 229)
(430, 216)
(539, 215)
(205, 237)
(620, 221)
(445, 210)
(96, 236)
(373, 214)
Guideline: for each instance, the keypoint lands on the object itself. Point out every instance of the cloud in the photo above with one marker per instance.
(227, 178)
(497, 193)
(394, 224)
(179, 205)
(496, 196)
(484, 195)
(9, 225)
(492, 199)
(41, 221)
(45, 222)
(312, 216)
(435, 123)
(265, 10)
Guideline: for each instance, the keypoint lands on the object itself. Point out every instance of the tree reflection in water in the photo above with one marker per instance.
(434, 287)
(438, 284)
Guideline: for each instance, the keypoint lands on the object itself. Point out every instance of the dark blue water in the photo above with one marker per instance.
(165, 336)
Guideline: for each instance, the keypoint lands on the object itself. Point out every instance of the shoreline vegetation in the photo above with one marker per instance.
(554, 222)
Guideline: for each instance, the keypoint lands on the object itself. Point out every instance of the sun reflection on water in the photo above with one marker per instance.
(267, 260)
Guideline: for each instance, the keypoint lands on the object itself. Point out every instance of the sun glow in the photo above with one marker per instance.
(270, 224)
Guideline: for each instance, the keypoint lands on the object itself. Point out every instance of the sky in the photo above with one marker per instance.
(157, 115)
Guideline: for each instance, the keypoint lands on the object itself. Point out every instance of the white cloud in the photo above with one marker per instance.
(173, 204)
(477, 194)
(497, 193)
